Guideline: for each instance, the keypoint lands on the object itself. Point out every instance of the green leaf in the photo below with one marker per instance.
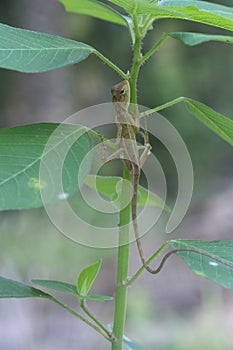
(22, 159)
(197, 11)
(33, 52)
(58, 286)
(97, 297)
(134, 6)
(110, 186)
(191, 10)
(212, 260)
(213, 120)
(95, 9)
(13, 289)
(192, 39)
(68, 288)
(87, 277)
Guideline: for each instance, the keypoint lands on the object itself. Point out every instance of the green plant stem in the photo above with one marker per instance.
(73, 312)
(122, 269)
(136, 62)
(163, 106)
(125, 213)
(89, 314)
(164, 37)
(111, 64)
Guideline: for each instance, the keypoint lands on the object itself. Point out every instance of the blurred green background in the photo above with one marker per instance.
(175, 310)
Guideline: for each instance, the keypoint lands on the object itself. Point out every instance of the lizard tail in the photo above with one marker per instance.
(136, 228)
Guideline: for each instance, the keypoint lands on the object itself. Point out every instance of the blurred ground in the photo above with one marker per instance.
(175, 310)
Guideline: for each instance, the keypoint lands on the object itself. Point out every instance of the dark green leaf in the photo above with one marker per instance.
(192, 39)
(87, 277)
(22, 159)
(110, 186)
(57, 285)
(212, 260)
(33, 52)
(95, 9)
(13, 289)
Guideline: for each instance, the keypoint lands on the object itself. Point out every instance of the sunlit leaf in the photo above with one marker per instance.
(95, 9)
(191, 10)
(135, 6)
(194, 10)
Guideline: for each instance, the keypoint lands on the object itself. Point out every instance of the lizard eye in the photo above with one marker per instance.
(123, 91)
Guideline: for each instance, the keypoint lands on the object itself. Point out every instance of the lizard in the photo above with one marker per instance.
(127, 127)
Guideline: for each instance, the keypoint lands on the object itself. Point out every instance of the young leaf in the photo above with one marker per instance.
(212, 260)
(95, 9)
(13, 289)
(33, 52)
(213, 120)
(57, 285)
(87, 277)
(192, 39)
(110, 185)
(22, 154)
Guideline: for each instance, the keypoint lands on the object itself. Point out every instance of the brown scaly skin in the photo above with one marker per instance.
(126, 128)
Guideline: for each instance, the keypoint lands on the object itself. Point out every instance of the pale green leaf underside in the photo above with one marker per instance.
(110, 186)
(95, 9)
(22, 153)
(217, 266)
(87, 277)
(192, 39)
(33, 52)
(13, 289)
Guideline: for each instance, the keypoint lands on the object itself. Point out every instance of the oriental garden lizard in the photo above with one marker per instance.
(127, 127)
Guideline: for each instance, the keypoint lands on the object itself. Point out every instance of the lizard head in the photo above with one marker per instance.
(121, 92)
